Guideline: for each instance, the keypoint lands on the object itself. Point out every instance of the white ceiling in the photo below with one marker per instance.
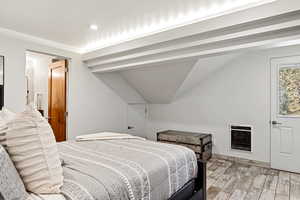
(67, 21)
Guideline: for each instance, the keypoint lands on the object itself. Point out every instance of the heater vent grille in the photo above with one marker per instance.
(241, 137)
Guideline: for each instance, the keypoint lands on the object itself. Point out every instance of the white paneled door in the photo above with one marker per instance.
(285, 113)
(136, 119)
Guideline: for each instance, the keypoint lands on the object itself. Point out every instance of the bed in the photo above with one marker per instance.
(130, 169)
(100, 166)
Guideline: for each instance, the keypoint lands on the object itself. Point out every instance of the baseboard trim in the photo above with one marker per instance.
(242, 160)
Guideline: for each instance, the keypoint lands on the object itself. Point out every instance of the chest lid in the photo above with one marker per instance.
(184, 137)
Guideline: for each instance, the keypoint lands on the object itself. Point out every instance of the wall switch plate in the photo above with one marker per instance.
(214, 140)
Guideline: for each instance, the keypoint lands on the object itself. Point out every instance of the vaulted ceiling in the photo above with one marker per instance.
(153, 51)
(67, 21)
(161, 67)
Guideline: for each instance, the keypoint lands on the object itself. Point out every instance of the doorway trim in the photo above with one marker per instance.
(69, 60)
(271, 59)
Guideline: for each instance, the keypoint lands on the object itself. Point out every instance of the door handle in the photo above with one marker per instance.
(275, 123)
(130, 127)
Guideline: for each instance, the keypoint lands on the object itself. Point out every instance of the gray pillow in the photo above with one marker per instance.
(11, 185)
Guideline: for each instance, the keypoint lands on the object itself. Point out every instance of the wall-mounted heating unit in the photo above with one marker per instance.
(241, 137)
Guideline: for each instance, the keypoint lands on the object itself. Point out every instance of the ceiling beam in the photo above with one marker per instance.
(234, 44)
(251, 34)
(179, 45)
(276, 8)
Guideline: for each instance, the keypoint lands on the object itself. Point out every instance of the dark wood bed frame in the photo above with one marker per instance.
(194, 189)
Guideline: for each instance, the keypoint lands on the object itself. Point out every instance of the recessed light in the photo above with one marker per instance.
(93, 27)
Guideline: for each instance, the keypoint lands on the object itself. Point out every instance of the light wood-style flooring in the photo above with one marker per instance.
(228, 180)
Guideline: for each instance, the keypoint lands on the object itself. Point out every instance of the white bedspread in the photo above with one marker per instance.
(106, 136)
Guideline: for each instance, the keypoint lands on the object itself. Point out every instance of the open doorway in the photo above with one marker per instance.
(46, 85)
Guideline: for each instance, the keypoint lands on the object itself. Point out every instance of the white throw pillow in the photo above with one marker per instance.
(31, 145)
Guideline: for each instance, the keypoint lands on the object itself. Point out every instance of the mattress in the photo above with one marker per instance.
(127, 169)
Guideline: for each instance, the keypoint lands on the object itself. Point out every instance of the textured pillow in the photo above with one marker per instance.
(11, 185)
(31, 145)
(5, 116)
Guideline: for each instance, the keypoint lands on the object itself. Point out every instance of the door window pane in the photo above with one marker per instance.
(289, 91)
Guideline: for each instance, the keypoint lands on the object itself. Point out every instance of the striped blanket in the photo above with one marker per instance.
(128, 169)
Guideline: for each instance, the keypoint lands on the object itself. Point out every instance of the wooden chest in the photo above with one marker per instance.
(200, 143)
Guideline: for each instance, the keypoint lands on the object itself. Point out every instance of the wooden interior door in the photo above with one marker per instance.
(57, 108)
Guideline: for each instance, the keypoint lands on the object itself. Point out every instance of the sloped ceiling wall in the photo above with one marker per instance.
(159, 83)
(162, 83)
(204, 68)
(117, 83)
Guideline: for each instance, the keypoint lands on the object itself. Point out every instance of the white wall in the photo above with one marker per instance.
(92, 105)
(237, 93)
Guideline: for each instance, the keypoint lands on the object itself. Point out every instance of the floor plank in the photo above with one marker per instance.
(228, 180)
(213, 192)
(222, 196)
(221, 182)
(283, 186)
(240, 181)
(257, 185)
(217, 172)
(246, 176)
(269, 189)
(295, 187)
